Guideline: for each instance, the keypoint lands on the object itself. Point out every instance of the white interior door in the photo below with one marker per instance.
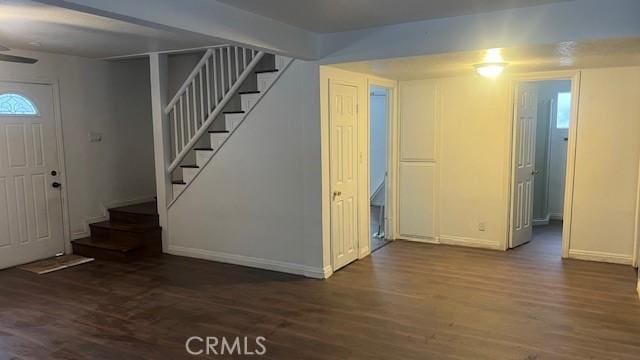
(524, 164)
(344, 154)
(30, 197)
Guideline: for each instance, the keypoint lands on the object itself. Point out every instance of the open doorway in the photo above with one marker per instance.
(542, 125)
(378, 160)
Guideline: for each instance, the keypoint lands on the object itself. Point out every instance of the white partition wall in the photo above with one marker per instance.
(454, 154)
(417, 163)
(606, 172)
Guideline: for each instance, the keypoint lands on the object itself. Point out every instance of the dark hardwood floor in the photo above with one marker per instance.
(407, 301)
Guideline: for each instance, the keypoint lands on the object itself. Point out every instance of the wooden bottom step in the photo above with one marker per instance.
(122, 250)
(131, 233)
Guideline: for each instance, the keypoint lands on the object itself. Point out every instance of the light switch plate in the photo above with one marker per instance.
(95, 137)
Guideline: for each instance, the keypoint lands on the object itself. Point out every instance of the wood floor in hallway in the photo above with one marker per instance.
(407, 301)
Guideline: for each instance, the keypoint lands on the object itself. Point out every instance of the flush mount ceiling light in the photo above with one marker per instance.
(490, 70)
(493, 64)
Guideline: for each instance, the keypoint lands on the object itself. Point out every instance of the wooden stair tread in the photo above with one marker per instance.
(249, 92)
(118, 226)
(218, 131)
(148, 208)
(234, 112)
(123, 246)
(266, 71)
(178, 182)
(190, 166)
(203, 149)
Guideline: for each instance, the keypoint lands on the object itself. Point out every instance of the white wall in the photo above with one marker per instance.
(453, 161)
(607, 158)
(258, 202)
(472, 156)
(179, 67)
(109, 98)
(378, 138)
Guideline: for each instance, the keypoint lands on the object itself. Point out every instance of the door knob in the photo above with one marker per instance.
(56, 185)
(336, 194)
(535, 172)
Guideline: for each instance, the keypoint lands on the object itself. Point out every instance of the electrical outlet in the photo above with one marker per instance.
(482, 226)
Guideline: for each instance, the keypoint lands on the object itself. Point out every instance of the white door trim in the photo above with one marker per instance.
(57, 114)
(636, 237)
(328, 74)
(574, 77)
(392, 150)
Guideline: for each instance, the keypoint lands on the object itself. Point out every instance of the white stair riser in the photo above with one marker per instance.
(177, 189)
(231, 121)
(248, 100)
(217, 139)
(281, 61)
(265, 80)
(202, 157)
(188, 174)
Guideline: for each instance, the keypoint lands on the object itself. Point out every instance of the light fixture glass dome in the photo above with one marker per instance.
(490, 70)
(492, 65)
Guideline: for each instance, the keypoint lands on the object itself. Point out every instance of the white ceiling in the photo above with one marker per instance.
(72, 32)
(566, 55)
(326, 16)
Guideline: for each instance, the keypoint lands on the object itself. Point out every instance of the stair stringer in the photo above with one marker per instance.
(258, 201)
(264, 93)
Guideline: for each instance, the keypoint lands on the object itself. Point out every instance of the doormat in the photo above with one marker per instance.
(55, 264)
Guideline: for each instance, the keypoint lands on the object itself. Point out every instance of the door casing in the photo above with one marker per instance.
(390, 188)
(330, 74)
(574, 77)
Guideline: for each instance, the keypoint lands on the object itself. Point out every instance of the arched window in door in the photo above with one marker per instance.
(15, 104)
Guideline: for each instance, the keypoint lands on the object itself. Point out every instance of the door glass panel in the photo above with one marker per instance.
(15, 104)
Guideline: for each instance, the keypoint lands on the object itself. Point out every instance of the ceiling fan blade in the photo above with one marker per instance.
(18, 59)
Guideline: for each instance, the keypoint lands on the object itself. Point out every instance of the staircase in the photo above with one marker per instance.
(214, 100)
(130, 233)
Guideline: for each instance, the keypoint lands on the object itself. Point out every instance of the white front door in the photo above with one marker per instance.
(30, 197)
(344, 185)
(524, 164)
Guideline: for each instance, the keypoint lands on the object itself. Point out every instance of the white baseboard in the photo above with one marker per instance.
(425, 240)
(600, 257)
(470, 242)
(86, 232)
(543, 221)
(255, 262)
(364, 252)
(328, 271)
(556, 216)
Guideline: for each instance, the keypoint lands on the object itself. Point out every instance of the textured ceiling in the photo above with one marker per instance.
(325, 16)
(59, 30)
(566, 55)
